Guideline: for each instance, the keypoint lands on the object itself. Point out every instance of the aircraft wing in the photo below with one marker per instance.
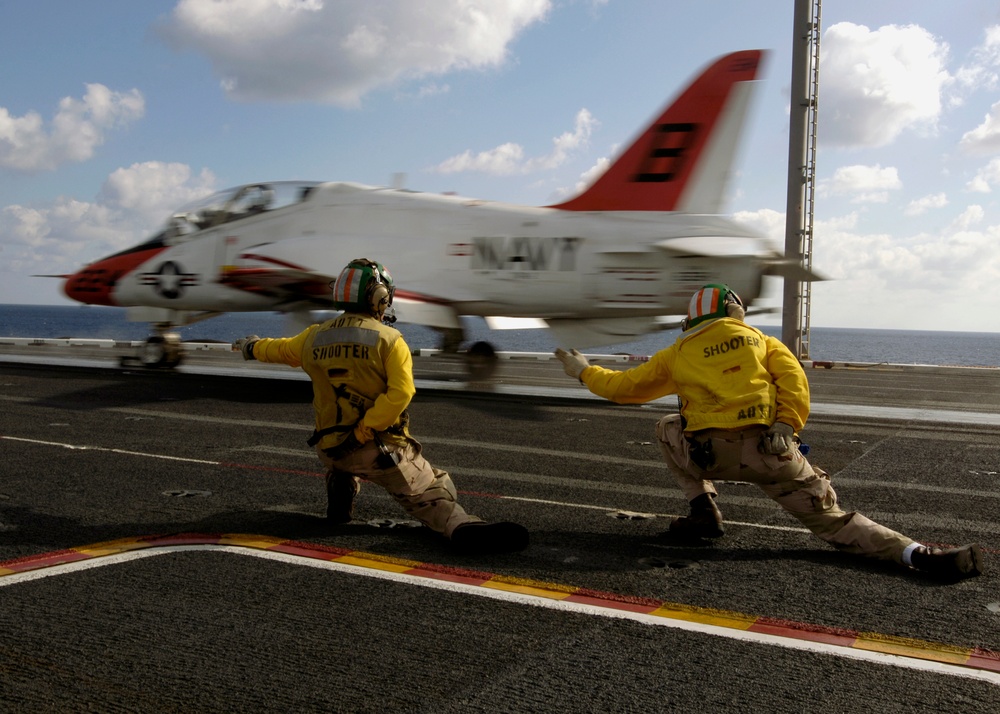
(287, 284)
(292, 285)
(295, 285)
(419, 309)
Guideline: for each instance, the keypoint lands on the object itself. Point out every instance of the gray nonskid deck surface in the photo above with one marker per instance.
(95, 455)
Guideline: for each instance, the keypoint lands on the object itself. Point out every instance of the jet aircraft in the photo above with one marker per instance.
(600, 268)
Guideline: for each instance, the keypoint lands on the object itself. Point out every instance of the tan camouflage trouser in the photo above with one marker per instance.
(801, 489)
(424, 492)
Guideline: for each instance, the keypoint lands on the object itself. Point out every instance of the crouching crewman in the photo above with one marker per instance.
(743, 398)
(362, 376)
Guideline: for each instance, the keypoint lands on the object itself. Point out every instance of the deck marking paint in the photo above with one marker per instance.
(872, 647)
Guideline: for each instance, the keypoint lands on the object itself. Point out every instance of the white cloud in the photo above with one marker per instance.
(66, 233)
(925, 280)
(971, 216)
(150, 191)
(876, 84)
(503, 160)
(432, 90)
(509, 158)
(77, 129)
(986, 177)
(985, 138)
(878, 280)
(767, 222)
(920, 206)
(336, 52)
(865, 184)
(983, 69)
(587, 178)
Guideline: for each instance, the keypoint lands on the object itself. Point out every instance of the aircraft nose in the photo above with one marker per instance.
(93, 285)
(97, 283)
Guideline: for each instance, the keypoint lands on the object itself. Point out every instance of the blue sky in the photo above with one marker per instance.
(115, 112)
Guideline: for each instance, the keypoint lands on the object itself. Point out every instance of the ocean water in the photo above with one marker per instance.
(975, 349)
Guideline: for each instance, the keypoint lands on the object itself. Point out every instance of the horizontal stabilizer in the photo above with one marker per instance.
(792, 270)
(713, 246)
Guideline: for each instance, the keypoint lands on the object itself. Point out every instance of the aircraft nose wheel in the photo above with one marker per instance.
(161, 351)
(481, 361)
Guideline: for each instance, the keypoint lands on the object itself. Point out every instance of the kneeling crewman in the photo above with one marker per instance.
(743, 398)
(362, 375)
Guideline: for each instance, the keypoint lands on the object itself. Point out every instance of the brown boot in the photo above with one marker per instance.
(341, 490)
(705, 520)
(949, 563)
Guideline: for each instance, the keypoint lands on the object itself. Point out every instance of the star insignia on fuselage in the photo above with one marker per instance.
(169, 280)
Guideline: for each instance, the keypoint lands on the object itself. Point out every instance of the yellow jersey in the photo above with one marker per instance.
(727, 374)
(361, 371)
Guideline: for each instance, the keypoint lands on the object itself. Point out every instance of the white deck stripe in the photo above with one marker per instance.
(533, 600)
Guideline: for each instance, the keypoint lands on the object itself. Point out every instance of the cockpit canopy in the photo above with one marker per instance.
(234, 204)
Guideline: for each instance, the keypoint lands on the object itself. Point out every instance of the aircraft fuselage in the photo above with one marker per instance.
(482, 258)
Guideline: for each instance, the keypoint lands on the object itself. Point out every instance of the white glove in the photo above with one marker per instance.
(779, 439)
(245, 345)
(573, 362)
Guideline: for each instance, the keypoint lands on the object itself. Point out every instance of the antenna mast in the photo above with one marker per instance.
(800, 206)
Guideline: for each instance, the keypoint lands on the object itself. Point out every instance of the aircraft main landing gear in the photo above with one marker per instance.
(481, 360)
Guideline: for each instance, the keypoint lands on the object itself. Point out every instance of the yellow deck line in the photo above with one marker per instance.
(873, 642)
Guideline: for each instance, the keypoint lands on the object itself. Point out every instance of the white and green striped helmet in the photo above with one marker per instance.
(709, 303)
(364, 286)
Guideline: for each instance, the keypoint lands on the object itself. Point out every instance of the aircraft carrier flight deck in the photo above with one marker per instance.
(163, 548)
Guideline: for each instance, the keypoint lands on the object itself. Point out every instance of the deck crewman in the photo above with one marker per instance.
(362, 375)
(743, 399)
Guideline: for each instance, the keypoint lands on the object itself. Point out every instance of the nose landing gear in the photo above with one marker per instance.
(160, 351)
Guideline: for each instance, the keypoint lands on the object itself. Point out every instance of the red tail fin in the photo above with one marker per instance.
(681, 161)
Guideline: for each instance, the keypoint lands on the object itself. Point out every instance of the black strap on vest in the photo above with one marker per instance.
(317, 435)
(397, 429)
